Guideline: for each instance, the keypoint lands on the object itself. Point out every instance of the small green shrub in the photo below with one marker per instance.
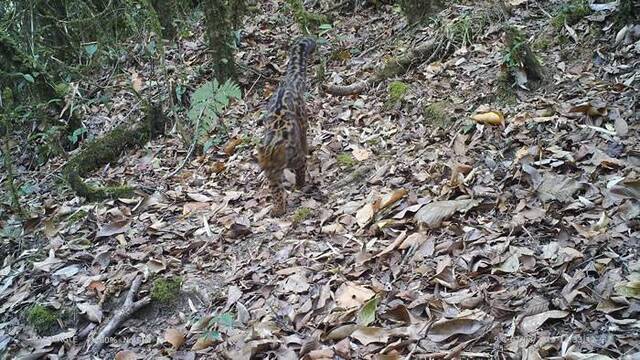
(464, 30)
(570, 13)
(345, 160)
(41, 318)
(513, 54)
(302, 214)
(166, 291)
(309, 22)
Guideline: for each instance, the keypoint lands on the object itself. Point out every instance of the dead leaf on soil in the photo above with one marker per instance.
(127, 355)
(434, 213)
(361, 154)
(368, 335)
(93, 312)
(174, 337)
(446, 328)
(116, 227)
(350, 295)
(231, 145)
(531, 323)
(557, 187)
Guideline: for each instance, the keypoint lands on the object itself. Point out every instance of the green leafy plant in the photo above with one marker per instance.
(208, 102)
(308, 21)
(367, 313)
(215, 324)
(571, 13)
(77, 134)
(512, 57)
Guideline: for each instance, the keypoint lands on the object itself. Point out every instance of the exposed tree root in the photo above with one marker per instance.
(128, 308)
(107, 149)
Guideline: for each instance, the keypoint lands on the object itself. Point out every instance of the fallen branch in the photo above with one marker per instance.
(446, 39)
(425, 52)
(128, 308)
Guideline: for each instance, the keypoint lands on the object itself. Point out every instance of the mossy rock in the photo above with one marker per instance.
(166, 291)
(396, 92)
(41, 318)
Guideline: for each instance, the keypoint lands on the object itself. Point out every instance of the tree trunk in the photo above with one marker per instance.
(166, 11)
(220, 36)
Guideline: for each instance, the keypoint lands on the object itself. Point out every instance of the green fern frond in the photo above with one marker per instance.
(209, 101)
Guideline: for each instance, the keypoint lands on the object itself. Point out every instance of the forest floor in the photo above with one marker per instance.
(422, 233)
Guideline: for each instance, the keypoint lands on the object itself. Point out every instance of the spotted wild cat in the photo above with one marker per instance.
(284, 144)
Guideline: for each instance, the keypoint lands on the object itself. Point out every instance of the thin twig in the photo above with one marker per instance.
(191, 148)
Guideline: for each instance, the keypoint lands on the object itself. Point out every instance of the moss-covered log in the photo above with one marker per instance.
(108, 149)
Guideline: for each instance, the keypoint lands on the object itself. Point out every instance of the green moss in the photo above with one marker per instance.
(308, 22)
(570, 13)
(397, 91)
(166, 290)
(436, 114)
(345, 160)
(41, 318)
(77, 216)
(302, 214)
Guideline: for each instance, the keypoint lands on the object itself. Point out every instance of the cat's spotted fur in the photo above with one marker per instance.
(284, 144)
